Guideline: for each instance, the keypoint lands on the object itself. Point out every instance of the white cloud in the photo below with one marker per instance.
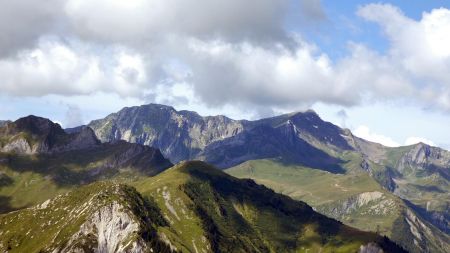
(419, 49)
(58, 68)
(141, 21)
(227, 72)
(415, 140)
(222, 52)
(365, 133)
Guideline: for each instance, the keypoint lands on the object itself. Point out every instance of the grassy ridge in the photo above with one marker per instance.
(240, 216)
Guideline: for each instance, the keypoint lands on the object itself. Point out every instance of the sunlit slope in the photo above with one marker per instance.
(354, 198)
(209, 210)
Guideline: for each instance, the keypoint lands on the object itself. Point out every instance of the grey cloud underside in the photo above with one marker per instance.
(22, 22)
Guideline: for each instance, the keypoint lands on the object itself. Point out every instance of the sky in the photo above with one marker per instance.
(378, 68)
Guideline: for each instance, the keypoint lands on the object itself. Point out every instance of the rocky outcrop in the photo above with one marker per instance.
(422, 236)
(113, 230)
(366, 203)
(425, 159)
(102, 217)
(19, 145)
(35, 135)
(370, 248)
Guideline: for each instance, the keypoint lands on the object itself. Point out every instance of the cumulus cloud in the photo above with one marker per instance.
(415, 140)
(23, 22)
(228, 72)
(314, 9)
(54, 67)
(139, 21)
(418, 49)
(364, 132)
(220, 52)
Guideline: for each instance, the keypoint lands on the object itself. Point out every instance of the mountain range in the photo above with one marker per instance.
(67, 192)
(414, 177)
(112, 179)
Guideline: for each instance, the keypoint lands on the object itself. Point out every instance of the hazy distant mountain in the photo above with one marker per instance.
(419, 174)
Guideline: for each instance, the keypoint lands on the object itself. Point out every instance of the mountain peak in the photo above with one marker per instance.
(37, 125)
(309, 112)
(33, 135)
(159, 106)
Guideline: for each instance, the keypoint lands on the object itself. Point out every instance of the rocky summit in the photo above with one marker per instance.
(35, 135)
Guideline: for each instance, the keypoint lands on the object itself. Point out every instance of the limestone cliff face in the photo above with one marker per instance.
(112, 229)
(426, 158)
(19, 145)
(180, 135)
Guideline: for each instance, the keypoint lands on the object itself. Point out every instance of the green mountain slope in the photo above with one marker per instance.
(48, 162)
(191, 207)
(420, 174)
(101, 217)
(417, 174)
(354, 198)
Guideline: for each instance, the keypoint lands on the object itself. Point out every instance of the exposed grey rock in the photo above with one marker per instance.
(35, 135)
(370, 248)
(184, 135)
(179, 135)
(113, 229)
(366, 203)
(19, 145)
(422, 157)
(38, 136)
